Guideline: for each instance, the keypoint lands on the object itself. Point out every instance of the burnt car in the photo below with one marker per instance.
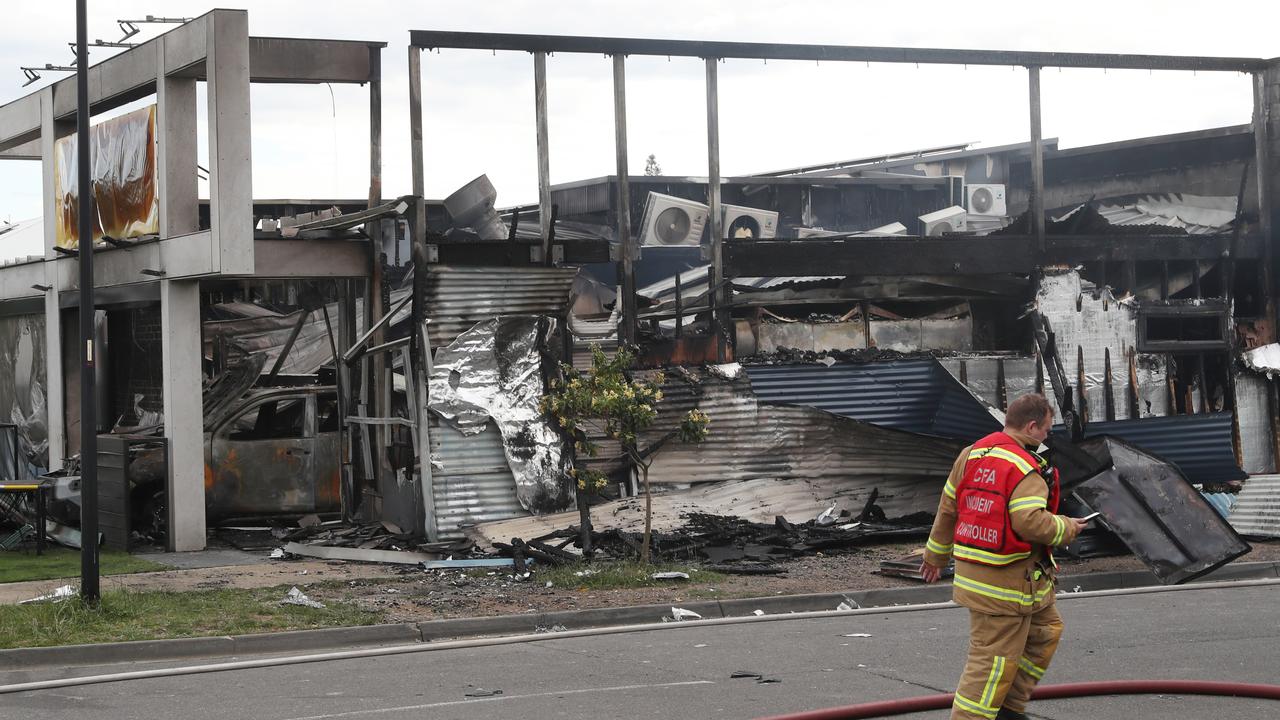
(273, 451)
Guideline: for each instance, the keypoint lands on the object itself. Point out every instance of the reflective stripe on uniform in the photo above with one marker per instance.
(993, 680)
(964, 552)
(1030, 668)
(976, 708)
(1028, 503)
(995, 592)
(1005, 455)
(938, 548)
(1062, 530)
(949, 490)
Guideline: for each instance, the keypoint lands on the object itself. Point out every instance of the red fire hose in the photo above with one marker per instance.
(886, 708)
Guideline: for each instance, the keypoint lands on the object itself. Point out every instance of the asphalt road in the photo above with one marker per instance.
(1210, 634)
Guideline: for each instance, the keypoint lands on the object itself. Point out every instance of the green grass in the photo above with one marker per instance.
(131, 615)
(621, 575)
(60, 562)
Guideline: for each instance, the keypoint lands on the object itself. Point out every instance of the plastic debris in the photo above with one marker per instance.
(277, 554)
(669, 576)
(679, 614)
(857, 635)
(57, 596)
(297, 597)
(757, 612)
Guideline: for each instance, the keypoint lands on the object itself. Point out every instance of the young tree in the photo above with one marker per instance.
(651, 166)
(607, 399)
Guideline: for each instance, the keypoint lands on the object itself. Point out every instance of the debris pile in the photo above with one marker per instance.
(730, 544)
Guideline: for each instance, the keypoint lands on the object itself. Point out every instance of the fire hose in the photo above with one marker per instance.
(887, 708)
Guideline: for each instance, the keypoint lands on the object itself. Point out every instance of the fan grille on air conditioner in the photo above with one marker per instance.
(982, 200)
(672, 226)
(744, 226)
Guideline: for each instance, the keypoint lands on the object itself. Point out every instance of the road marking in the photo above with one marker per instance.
(497, 698)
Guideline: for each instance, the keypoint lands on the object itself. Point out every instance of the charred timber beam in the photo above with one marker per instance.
(835, 53)
(966, 256)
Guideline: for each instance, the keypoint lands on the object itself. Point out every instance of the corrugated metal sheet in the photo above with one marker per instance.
(459, 297)
(1197, 214)
(470, 481)
(915, 395)
(1255, 423)
(1200, 445)
(1257, 510)
(761, 460)
(751, 439)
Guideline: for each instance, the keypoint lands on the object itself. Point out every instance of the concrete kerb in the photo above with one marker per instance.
(450, 629)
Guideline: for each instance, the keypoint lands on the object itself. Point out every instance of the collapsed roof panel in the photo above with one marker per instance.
(914, 395)
(1152, 507)
(1199, 445)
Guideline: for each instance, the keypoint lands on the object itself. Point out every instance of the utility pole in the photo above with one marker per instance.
(88, 406)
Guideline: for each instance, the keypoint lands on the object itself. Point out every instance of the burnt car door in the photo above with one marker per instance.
(262, 457)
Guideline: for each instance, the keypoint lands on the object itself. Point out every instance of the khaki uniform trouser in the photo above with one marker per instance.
(1008, 654)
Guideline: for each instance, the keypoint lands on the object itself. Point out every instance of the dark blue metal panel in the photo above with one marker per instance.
(1200, 445)
(915, 395)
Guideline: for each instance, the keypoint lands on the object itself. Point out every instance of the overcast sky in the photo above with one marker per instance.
(312, 141)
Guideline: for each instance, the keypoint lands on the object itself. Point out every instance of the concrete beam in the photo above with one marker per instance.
(183, 412)
(183, 257)
(310, 259)
(131, 75)
(299, 60)
(26, 151)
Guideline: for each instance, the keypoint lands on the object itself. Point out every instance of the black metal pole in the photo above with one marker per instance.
(88, 408)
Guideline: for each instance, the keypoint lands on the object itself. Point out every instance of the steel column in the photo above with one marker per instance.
(375, 126)
(88, 394)
(626, 263)
(1037, 161)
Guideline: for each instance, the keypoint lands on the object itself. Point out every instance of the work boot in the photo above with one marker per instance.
(1007, 714)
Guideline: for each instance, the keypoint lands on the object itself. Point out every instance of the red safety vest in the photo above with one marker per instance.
(984, 533)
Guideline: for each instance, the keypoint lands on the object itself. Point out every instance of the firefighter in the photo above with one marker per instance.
(997, 517)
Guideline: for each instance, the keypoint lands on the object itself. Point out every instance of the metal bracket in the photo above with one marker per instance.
(557, 254)
(433, 253)
(535, 254)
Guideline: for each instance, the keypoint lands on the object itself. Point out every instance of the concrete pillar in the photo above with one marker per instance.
(50, 131)
(180, 311)
(230, 157)
(183, 411)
